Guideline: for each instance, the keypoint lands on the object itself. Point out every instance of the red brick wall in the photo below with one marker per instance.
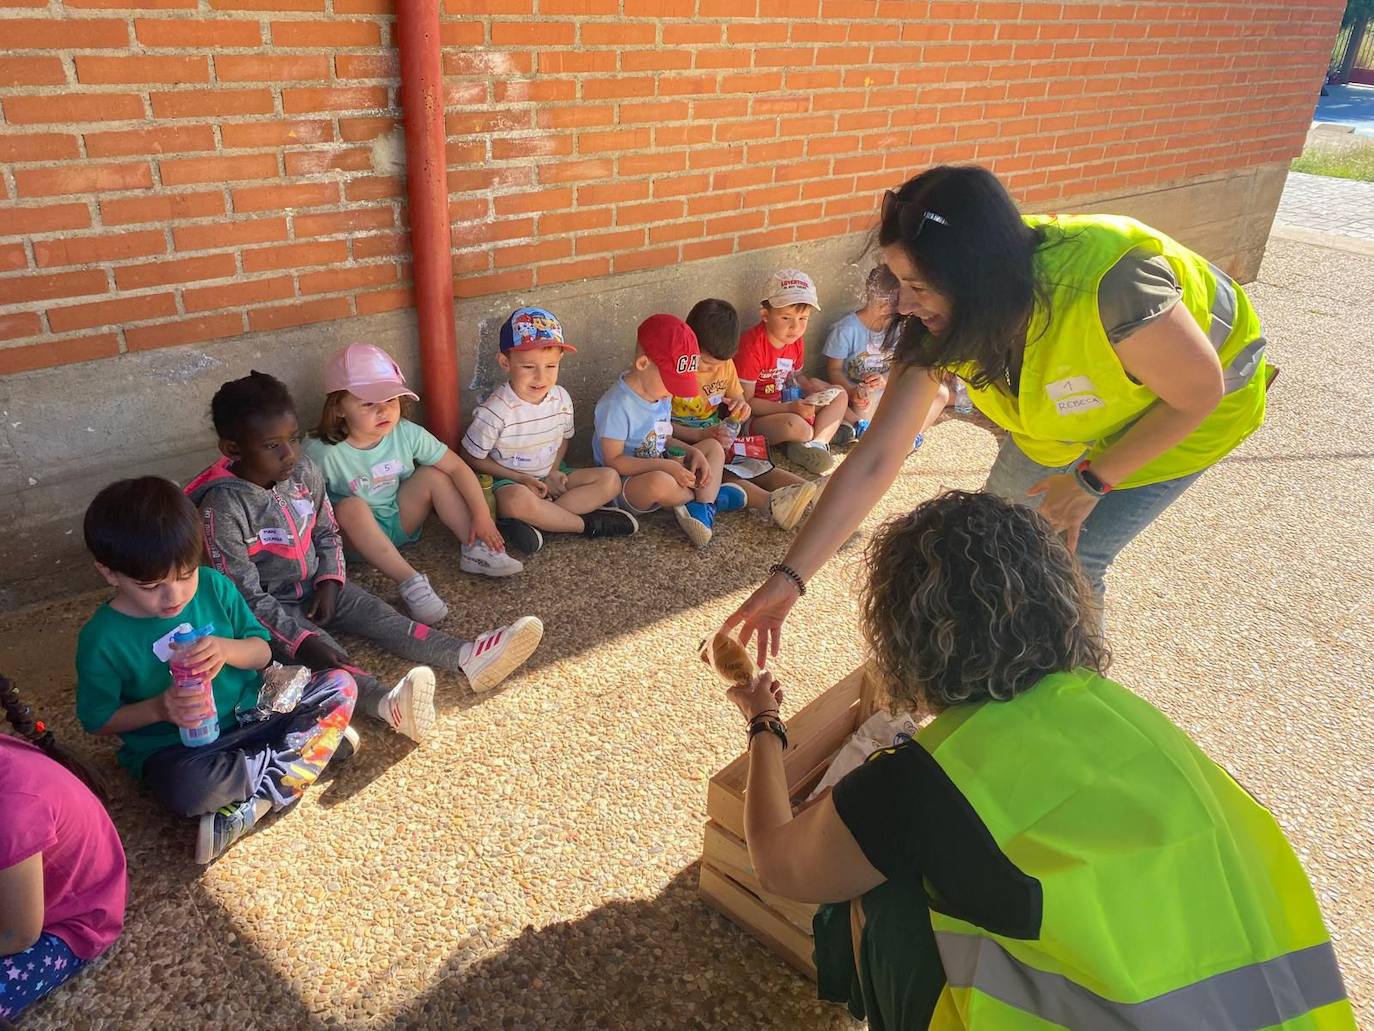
(188, 170)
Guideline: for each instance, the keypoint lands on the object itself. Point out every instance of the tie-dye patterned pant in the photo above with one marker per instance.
(276, 759)
(27, 976)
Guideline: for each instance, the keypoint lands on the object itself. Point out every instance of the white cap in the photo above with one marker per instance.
(790, 286)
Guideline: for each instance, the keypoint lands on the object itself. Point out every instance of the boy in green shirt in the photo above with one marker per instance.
(145, 537)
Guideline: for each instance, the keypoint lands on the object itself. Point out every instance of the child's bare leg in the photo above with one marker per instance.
(589, 489)
(645, 491)
(516, 501)
(757, 497)
(715, 461)
(828, 419)
(781, 428)
(427, 489)
(365, 535)
(776, 478)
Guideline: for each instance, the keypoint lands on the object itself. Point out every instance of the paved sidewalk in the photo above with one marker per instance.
(1344, 206)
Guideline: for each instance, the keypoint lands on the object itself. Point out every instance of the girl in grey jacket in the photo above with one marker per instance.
(270, 528)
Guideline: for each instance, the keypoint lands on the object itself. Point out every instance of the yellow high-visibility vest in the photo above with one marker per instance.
(1075, 398)
(1169, 898)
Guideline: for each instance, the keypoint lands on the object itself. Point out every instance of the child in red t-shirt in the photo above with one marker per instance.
(771, 354)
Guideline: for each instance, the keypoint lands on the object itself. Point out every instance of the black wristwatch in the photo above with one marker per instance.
(768, 725)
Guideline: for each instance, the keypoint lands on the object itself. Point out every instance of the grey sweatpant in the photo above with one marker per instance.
(364, 614)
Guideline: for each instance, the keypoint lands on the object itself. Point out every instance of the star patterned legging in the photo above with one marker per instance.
(27, 976)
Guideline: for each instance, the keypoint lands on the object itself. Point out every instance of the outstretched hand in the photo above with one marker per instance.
(763, 613)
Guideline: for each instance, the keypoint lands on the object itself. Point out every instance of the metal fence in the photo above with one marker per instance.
(1359, 67)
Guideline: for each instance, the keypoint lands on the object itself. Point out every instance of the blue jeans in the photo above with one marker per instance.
(1115, 522)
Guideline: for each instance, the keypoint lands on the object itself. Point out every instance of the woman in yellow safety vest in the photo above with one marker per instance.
(1121, 364)
(1050, 851)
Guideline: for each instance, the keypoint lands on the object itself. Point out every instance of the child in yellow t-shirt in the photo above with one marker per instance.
(719, 411)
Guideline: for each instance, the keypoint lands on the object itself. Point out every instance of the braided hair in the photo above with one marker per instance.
(36, 732)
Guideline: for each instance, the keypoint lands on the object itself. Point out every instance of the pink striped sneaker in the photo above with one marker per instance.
(409, 706)
(494, 655)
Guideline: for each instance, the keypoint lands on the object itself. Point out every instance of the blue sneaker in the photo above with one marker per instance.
(731, 498)
(223, 827)
(697, 519)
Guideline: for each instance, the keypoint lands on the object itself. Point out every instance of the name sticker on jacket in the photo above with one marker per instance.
(273, 535)
(1073, 395)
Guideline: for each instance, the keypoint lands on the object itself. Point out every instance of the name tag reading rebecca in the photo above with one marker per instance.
(1073, 395)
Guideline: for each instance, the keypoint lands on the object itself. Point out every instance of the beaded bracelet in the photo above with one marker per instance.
(791, 574)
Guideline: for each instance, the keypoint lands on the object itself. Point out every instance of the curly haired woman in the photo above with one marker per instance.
(1050, 851)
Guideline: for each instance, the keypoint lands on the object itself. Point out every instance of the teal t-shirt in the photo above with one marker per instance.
(116, 664)
(375, 475)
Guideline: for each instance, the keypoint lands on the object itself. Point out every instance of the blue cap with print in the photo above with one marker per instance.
(529, 329)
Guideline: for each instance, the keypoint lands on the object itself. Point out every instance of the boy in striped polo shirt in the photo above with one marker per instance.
(519, 436)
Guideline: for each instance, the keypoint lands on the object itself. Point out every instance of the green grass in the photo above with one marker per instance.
(1343, 162)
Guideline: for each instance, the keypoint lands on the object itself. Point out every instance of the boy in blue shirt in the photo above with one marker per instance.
(145, 537)
(634, 434)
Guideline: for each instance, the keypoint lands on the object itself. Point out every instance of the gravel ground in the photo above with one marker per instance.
(534, 863)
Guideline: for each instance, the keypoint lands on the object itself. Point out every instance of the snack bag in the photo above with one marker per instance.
(750, 447)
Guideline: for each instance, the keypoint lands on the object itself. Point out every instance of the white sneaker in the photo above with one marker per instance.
(494, 655)
(421, 602)
(787, 506)
(409, 706)
(484, 561)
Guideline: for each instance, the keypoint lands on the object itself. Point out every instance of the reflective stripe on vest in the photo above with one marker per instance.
(1241, 369)
(1257, 996)
(1170, 897)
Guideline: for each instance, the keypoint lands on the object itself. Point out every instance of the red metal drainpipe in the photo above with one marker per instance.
(422, 104)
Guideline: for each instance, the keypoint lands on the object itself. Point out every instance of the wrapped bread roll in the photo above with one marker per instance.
(728, 657)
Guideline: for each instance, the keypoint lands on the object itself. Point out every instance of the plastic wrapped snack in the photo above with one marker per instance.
(724, 654)
(823, 397)
(282, 687)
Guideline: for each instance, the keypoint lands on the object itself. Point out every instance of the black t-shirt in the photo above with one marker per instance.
(918, 830)
(913, 823)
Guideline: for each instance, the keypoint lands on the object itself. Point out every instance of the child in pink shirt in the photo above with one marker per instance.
(62, 875)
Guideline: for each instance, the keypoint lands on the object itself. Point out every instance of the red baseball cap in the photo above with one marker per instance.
(672, 346)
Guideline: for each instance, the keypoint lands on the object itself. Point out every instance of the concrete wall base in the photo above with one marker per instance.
(67, 431)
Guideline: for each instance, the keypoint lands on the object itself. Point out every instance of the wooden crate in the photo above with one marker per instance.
(728, 882)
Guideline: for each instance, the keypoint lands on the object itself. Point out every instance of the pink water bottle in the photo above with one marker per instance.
(186, 681)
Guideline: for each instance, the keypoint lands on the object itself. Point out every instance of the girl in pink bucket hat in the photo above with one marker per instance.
(385, 474)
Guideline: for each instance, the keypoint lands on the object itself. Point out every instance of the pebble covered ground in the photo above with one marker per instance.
(534, 863)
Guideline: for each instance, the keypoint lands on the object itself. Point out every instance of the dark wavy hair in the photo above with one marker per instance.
(971, 598)
(965, 235)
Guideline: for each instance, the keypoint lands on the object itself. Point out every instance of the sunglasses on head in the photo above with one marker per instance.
(911, 217)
